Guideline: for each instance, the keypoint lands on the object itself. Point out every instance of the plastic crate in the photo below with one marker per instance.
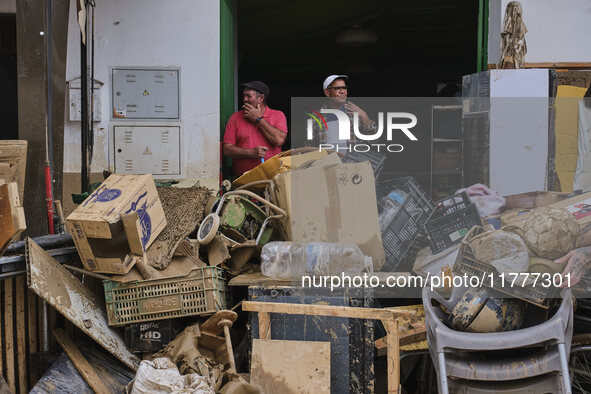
(376, 160)
(467, 264)
(201, 292)
(453, 218)
(408, 222)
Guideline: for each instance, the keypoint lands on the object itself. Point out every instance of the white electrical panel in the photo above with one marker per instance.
(147, 149)
(75, 100)
(76, 106)
(145, 93)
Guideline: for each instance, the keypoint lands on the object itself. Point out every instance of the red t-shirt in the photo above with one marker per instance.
(243, 133)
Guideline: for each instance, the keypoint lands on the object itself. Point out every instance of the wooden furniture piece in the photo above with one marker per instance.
(388, 318)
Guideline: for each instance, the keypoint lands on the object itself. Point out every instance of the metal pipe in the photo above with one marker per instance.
(48, 119)
(45, 241)
(479, 38)
(256, 197)
(84, 171)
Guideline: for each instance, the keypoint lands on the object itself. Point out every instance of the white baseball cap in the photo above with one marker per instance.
(330, 79)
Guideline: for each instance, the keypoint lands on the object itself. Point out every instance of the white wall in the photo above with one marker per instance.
(155, 33)
(558, 30)
(7, 6)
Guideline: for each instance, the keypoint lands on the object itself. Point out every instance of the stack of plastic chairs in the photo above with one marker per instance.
(540, 365)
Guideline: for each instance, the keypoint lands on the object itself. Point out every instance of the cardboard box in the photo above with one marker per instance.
(531, 200)
(579, 206)
(104, 243)
(335, 203)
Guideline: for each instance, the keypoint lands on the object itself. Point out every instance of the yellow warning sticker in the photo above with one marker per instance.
(146, 93)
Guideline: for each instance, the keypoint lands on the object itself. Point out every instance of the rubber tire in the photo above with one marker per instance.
(204, 240)
(210, 203)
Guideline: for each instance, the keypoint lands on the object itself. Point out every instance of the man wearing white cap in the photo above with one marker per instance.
(335, 88)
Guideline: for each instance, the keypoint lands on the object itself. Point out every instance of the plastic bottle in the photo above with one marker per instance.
(390, 205)
(291, 260)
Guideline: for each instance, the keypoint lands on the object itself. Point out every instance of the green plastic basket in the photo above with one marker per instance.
(201, 292)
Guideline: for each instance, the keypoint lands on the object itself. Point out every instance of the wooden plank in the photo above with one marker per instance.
(563, 65)
(1, 334)
(32, 328)
(324, 310)
(257, 279)
(21, 334)
(9, 334)
(291, 366)
(393, 356)
(264, 325)
(52, 282)
(7, 231)
(13, 156)
(405, 337)
(81, 364)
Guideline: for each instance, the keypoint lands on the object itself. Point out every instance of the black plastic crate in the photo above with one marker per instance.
(150, 337)
(408, 222)
(352, 341)
(453, 218)
(376, 160)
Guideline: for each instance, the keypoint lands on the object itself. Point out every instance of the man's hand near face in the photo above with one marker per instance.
(252, 113)
(351, 108)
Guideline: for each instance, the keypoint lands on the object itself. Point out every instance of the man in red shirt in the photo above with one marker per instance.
(254, 133)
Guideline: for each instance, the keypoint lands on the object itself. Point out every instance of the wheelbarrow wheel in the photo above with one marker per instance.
(208, 229)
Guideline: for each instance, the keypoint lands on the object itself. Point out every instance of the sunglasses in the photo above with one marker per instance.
(344, 88)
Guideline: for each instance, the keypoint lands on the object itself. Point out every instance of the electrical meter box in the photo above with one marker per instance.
(145, 93)
(75, 100)
(147, 148)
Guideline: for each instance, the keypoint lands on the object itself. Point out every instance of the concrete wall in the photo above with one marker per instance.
(7, 6)
(153, 33)
(558, 31)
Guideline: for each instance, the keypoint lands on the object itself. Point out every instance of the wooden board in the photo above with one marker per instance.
(9, 334)
(290, 366)
(13, 159)
(325, 310)
(257, 279)
(7, 230)
(32, 334)
(21, 340)
(55, 284)
(81, 364)
(63, 375)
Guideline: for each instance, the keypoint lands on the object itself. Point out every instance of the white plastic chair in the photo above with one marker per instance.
(450, 349)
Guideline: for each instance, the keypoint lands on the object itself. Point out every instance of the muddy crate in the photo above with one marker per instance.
(201, 292)
(466, 264)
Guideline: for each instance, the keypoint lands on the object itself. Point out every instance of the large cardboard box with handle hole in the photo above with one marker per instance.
(106, 239)
(333, 203)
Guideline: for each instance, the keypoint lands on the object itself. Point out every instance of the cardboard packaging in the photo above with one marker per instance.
(579, 206)
(335, 203)
(116, 222)
(532, 200)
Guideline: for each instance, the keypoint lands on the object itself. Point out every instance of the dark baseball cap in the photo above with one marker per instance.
(258, 86)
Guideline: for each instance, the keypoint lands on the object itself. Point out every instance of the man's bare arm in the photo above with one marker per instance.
(272, 133)
(578, 261)
(236, 152)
